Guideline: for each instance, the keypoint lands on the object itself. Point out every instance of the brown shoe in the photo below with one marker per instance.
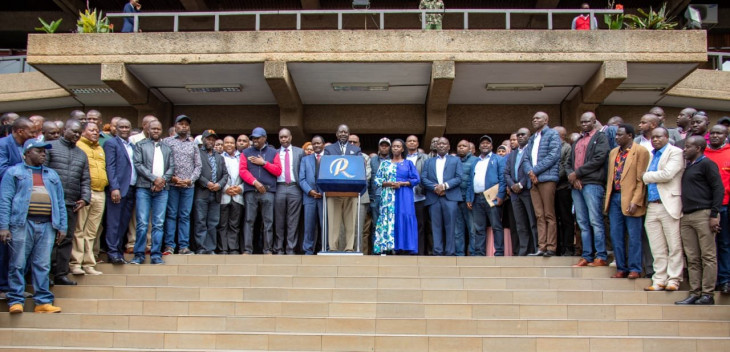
(598, 262)
(619, 275)
(634, 275)
(47, 308)
(657, 287)
(16, 308)
(672, 287)
(581, 262)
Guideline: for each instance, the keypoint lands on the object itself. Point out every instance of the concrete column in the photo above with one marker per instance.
(291, 111)
(124, 83)
(439, 91)
(603, 82)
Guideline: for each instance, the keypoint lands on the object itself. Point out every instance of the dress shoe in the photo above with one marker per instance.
(536, 254)
(706, 300)
(598, 262)
(16, 308)
(549, 254)
(223, 252)
(634, 275)
(185, 251)
(64, 281)
(234, 252)
(689, 300)
(47, 308)
(672, 287)
(619, 275)
(91, 271)
(654, 288)
(77, 271)
(581, 262)
(724, 288)
(118, 261)
(200, 251)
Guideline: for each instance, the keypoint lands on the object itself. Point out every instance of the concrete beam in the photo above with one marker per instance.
(439, 91)
(136, 93)
(29, 86)
(194, 5)
(71, 6)
(675, 8)
(291, 112)
(310, 4)
(604, 81)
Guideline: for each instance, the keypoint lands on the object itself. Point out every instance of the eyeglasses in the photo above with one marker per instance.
(521, 134)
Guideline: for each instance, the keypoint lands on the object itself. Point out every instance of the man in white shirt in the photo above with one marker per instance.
(288, 197)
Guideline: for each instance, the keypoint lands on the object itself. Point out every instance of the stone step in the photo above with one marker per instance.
(32, 339)
(306, 309)
(392, 325)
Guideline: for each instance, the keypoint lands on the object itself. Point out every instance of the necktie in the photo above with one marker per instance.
(287, 176)
(343, 147)
(316, 169)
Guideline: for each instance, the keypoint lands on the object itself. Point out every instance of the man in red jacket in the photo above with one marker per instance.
(719, 152)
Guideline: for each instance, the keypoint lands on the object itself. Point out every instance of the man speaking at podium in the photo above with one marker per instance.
(342, 209)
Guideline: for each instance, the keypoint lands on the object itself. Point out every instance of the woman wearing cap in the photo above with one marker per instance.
(397, 229)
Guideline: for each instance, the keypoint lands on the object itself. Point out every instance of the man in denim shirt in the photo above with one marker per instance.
(32, 209)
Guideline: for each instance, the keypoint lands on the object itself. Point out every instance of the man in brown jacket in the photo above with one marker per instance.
(625, 200)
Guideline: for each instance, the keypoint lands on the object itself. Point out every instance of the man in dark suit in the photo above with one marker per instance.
(342, 210)
(441, 178)
(487, 171)
(519, 184)
(308, 172)
(122, 178)
(207, 198)
(288, 200)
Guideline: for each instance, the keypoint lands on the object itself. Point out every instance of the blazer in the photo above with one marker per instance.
(9, 154)
(334, 149)
(118, 166)
(206, 175)
(633, 189)
(495, 175)
(296, 154)
(668, 179)
(452, 175)
(510, 179)
(144, 155)
(307, 180)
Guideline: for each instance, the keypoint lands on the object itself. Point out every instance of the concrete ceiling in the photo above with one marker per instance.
(641, 74)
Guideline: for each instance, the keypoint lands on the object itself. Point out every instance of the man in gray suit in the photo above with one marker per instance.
(207, 201)
(288, 200)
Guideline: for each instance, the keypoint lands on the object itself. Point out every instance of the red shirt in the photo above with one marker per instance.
(580, 149)
(583, 23)
(721, 157)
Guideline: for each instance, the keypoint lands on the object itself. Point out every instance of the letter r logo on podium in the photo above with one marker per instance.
(339, 166)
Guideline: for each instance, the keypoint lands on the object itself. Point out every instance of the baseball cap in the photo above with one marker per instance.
(724, 120)
(384, 140)
(258, 132)
(485, 137)
(208, 133)
(183, 117)
(34, 143)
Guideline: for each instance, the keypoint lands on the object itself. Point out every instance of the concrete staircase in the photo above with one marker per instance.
(355, 303)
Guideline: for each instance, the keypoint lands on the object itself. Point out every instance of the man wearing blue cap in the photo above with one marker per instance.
(32, 217)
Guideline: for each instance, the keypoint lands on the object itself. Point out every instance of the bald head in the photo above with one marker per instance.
(648, 123)
(615, 121)
(561, 131)
(539, 120)
(51, 131)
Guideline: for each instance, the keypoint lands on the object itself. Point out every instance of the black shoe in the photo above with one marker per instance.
(549, 254)
(62, 280)
(118, 261)
(223, 252)
(707, 300)
(724, 288)
(537, 254)
(200, 251)
(689, 300)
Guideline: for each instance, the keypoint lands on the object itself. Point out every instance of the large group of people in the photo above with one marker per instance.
(72, 190)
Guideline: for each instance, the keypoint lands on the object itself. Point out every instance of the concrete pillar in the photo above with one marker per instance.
(603, 82)
(291, 112)
(117, 77)
(439, 91)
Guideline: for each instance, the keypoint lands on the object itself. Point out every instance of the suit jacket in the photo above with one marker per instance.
(633, 189)
(494, 176)
(118, 166)
(307, 180)
(144, 155)
(452, 176)
(334, 149)
(510, 179)
(206, 175)
(668, 179)
(296, 154)
(9, 154)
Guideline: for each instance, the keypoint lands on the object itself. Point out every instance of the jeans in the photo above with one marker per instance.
(33, 241)
(156, 202)
(722, 241)
(588, 203)
(627, 259)
(207, 216)
(464, 230)
(179, 205)
(485, 215)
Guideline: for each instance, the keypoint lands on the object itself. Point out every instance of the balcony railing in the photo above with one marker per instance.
(717, 59)
(14, 64)
(507, 13)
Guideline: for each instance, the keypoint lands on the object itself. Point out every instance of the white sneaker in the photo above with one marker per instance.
(91, 271)
(77, 271)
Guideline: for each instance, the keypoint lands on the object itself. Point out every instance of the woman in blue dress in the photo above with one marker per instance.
(397, 229)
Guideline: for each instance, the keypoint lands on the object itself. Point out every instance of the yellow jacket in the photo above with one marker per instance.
(97, 163)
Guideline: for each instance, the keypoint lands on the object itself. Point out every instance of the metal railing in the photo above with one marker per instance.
(717, 59)
(14, 64)
(340, 13)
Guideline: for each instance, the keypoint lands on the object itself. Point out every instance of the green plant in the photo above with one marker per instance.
(614, 21)
(49, 27)
(651, 19)
(90, 22)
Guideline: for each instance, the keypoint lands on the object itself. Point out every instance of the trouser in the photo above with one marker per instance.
(425, 241)
(565, 220)
(254, 200)
(508, 221)
(442, 212)
(87, 226)
(526, 223)
(341, 210)
(288, 209)
(150, 207)
(33, 242)
(698, 242)
(117, 222)
(61, 255)
(364, 226)
(722, 241)
(485, 215)
(665, 244)
(312, 222)
(543, 202)
(229, 227)
(464, 229)
(588, 203)
(177, 216)
(374, 213)
(207, 215)
(627, 253)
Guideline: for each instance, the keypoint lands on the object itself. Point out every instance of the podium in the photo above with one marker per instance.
(341, 176)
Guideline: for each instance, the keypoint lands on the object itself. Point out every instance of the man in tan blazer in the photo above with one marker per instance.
(664, 194)
(625, 201)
